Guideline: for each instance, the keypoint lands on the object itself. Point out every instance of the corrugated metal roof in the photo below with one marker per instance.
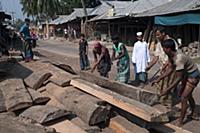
(126, 8)
(142, 5)
(175, 6)
(78, 12)
(107, 5)
(58, 20)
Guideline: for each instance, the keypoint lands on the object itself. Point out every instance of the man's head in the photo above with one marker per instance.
(115, 39)
(98, 37)
(27, 20)
(82, 36)
(97, 47)
(169, 46)
(160, 33)
(139, 36)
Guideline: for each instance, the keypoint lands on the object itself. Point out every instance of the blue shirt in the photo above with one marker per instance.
(25, 31)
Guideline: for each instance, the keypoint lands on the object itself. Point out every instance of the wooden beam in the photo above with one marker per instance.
(67, 127)
(121, 125)
(136, 93)
(170, 128)
(132, 106)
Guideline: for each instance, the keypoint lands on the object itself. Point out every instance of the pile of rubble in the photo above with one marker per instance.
(192, 50)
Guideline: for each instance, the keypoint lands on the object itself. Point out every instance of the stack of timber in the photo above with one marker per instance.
(83, 104)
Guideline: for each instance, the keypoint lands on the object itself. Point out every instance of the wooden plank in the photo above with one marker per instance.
(132, 106)
(170, 128)
(67, 127)
(126, 90)
(121, 125)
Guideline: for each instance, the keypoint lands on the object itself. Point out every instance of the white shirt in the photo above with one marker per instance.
(140, 56)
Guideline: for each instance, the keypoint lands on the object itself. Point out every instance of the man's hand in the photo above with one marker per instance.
(147, 69)
(92, 70)
(155, 82)
(163, 92)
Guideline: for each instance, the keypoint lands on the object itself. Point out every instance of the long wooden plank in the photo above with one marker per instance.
(139, 94)
(132, 106)
(67, 127)
(170, 128)
(121, 125)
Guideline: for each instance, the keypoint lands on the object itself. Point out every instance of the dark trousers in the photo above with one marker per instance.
(84, 61)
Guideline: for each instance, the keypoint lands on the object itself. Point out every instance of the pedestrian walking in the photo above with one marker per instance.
(26, 39)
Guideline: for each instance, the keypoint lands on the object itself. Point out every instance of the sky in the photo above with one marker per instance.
(13, 6)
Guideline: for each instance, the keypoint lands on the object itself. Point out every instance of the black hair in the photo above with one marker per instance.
(169, 43)
(161, 29)
(82, 35)
(98, 37)
(115, 37)
(27, 20)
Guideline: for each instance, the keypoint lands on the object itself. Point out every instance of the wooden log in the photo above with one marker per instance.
(121, 125)
(43, 113)
(9, 124)
(60, 77)
(90, 109)
(2, 102)
(15, 94)
(91, 129)
(36, 79)
(65, 67)
(67, 127)
(132, 92)
(132, 106)
(37, 97)
(169, 128)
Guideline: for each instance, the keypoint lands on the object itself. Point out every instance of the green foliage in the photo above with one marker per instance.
(40, 8)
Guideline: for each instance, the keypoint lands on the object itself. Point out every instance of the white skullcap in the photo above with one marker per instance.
(139, 33)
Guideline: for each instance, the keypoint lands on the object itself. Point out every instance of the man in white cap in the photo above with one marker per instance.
(140, 59)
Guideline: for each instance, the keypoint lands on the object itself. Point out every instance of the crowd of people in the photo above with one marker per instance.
(177, 74)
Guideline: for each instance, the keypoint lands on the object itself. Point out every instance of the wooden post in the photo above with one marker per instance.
(109, 33)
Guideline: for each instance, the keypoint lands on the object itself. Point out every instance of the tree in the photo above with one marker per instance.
(41, 8)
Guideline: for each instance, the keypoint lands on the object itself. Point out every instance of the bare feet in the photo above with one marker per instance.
(179, 123)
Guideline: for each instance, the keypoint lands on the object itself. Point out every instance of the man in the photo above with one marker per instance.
(26, 39)
(162, 59)
(120, 54)
(140, 59)
(103, 61)
(186, 72)
(83, 53)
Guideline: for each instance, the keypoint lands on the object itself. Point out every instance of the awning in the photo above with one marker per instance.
(188, 18)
